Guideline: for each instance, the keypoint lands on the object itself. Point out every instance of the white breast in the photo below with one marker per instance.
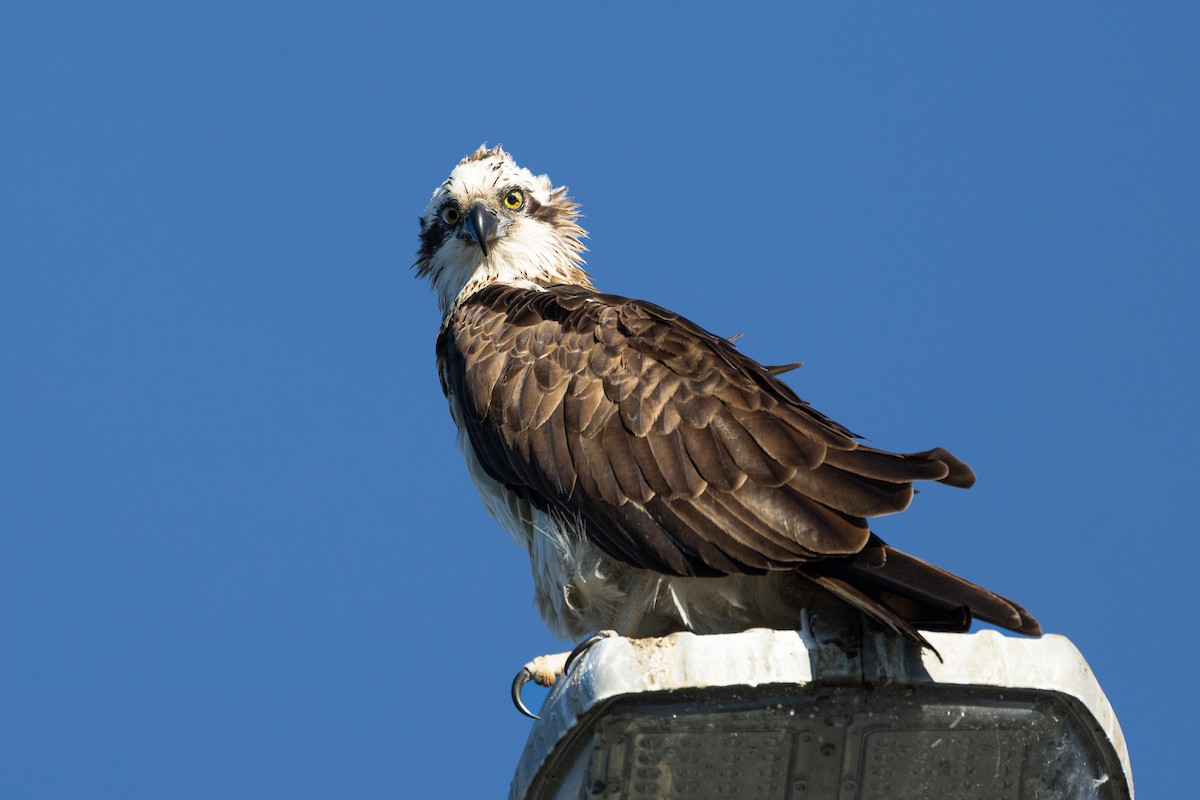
(576, 591)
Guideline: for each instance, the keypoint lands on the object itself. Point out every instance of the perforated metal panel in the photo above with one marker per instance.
(879, 744)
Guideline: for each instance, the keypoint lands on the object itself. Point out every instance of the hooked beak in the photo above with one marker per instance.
(481, 224)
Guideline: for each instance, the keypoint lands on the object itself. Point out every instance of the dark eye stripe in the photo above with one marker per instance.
(432, 237)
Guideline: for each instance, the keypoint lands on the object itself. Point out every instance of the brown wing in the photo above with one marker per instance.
(681, 454)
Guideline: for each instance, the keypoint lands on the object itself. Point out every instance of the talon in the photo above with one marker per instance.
(544, 671)
(584, 646)
(523, 677)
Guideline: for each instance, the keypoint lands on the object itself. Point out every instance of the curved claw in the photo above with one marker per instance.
(523, 677)
(546, 670)
(584, 646)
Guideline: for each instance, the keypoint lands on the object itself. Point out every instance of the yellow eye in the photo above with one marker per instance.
(450, 215)
(514, 200)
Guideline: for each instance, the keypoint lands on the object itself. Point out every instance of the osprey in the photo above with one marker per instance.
(659, 479)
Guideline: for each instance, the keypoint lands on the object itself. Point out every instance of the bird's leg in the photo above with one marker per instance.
(628, 615)
(545, 670)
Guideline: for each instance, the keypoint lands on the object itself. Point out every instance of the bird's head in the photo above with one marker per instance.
(493, 221)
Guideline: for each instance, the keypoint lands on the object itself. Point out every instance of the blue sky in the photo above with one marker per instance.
(239, 555)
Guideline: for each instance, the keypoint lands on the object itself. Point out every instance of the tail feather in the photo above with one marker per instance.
(920, 580)
(888, 585)
(870, 606)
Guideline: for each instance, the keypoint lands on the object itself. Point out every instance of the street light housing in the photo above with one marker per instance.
(830, 712)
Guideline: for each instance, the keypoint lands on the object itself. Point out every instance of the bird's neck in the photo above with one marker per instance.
(531, 269)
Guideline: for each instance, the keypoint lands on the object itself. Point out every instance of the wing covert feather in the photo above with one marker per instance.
(679, 453)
